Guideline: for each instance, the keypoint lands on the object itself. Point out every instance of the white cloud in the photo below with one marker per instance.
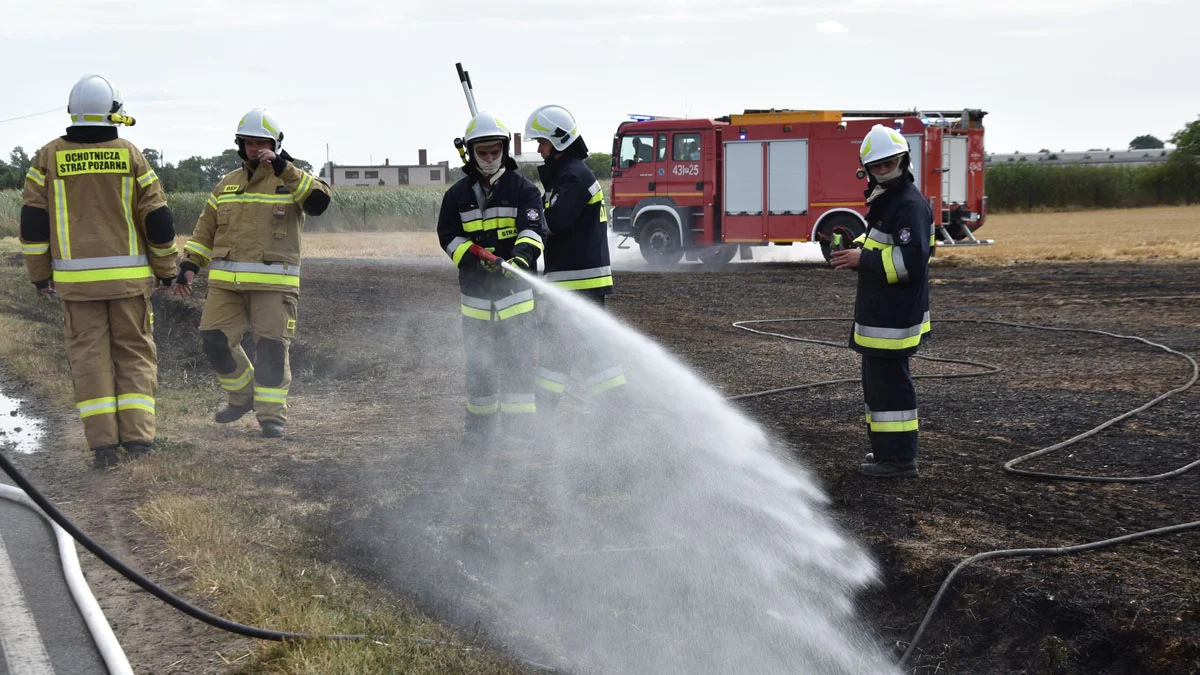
(830, 27)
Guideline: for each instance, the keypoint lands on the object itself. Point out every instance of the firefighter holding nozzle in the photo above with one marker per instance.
(494, 208)
(891, 309)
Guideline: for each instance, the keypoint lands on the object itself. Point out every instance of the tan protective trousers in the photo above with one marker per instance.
(271, 318)
(114, 367)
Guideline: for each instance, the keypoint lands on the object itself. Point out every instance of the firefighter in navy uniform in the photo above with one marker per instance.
(576, 257)
(891, 309)
(249, 237)
(500, 210)
(95, 228)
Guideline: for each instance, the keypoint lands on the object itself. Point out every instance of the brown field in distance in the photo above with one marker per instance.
(1159, 233)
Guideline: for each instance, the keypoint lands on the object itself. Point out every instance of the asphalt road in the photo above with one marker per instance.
(41, 630)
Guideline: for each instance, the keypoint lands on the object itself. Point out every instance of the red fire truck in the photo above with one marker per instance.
(707, 188)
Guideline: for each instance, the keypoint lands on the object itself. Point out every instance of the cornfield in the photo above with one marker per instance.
(10, 213)
(352, 210)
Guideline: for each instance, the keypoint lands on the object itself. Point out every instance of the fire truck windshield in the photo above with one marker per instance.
(636, 149)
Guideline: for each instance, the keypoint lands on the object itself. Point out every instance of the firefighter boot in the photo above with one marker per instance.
(480, 430)
(272, 429)
(137, 450)
(905, 468)
(104, 456)
(231, 413)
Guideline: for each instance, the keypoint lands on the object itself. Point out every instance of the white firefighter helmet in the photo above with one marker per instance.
(94, 102)
(553, 123)
(258, 123)
(485, 126)
(881, 143)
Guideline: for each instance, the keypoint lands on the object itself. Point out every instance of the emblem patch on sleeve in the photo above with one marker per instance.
(532, 215)
(904, 235)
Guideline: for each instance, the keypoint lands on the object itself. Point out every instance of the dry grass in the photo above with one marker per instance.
(370, 244)
(240, 541)
(1158, 233)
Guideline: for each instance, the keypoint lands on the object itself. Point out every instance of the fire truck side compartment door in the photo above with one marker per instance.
(954, 168)
(916, 153)
(788, 193)
(744, 178)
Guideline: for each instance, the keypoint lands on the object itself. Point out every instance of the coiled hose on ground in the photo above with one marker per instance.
(1010, 466)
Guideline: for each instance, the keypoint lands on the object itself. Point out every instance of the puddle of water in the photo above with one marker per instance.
(18, 432)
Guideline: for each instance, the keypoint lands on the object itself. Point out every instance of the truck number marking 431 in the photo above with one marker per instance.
(686, 170)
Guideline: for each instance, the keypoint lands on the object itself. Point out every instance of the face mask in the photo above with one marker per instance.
(489, 168)
(888, 178)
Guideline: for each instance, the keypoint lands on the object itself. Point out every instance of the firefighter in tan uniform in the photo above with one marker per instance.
(95, 228)
(249, 237)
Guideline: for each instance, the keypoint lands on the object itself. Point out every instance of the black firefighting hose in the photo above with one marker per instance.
(147, 585)
(175, 601)
(1010, 466)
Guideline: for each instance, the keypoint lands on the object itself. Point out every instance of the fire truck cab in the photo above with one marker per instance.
(709, 188)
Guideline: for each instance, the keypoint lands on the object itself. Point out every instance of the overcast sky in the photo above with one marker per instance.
(374, 79)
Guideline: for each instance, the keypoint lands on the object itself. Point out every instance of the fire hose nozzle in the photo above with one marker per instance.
(484, 254)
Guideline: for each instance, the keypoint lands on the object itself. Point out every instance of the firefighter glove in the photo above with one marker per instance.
(185, 267)
(489, 265)
(518, 262)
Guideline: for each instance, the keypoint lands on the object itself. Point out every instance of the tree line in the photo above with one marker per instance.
(1030, 186)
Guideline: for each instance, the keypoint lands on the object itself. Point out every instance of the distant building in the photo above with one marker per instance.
(525, 157)
(1085, 158)
(387, 174)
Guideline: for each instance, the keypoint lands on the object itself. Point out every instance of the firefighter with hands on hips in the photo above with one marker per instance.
(96, 230)
(891, 309)
(249, 237)
(496, 208)
(576, 257)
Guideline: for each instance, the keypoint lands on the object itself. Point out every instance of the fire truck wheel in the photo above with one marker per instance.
(718, 256)
(660, 243)
(844, 224)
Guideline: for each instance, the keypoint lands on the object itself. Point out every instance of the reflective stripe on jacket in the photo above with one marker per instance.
(97, 196)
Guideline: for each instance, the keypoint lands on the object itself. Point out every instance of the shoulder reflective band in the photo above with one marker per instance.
(147, 178)
(94, 160)
(36, 176)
